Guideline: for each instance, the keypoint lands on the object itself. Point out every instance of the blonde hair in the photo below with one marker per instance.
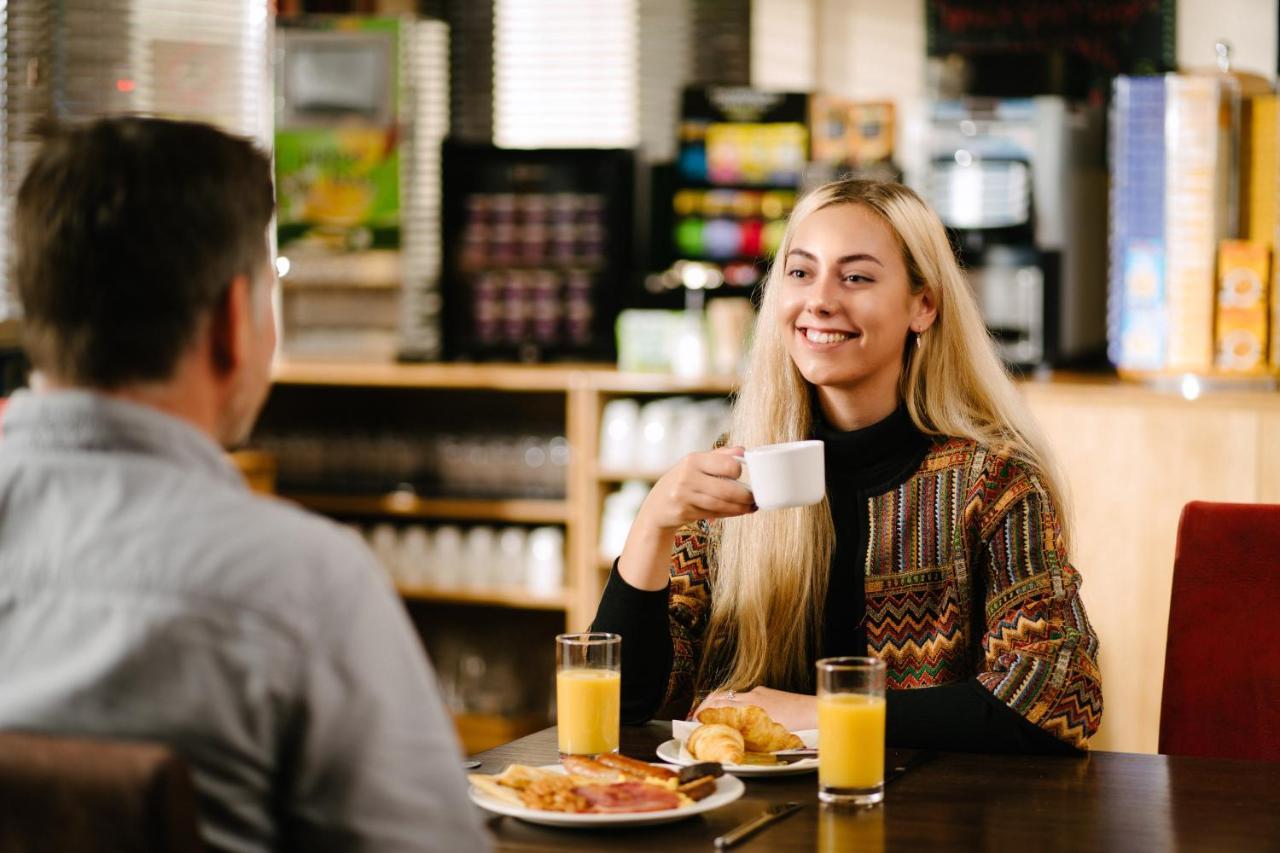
(769, 570)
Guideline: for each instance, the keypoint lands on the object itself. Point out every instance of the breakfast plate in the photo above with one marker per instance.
(673, 752)
(727, 790)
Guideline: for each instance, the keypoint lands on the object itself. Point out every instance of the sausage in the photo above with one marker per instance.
(635, 769)
(589, 768)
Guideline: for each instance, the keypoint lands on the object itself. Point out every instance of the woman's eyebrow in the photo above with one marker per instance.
(859, 256)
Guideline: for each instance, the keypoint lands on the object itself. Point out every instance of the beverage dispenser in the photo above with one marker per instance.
(1021, 186)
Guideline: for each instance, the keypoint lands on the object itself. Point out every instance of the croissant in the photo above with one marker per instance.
(760, 733)
(716, 743)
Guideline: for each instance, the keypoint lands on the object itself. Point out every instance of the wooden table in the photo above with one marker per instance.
(954, 801)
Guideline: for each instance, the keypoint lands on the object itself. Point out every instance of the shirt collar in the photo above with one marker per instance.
(873, 455)
(90, 421)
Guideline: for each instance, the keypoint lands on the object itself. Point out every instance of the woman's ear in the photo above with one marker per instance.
(926, 311)
(229, 326)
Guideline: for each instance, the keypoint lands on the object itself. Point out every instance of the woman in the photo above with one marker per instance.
(939, 547)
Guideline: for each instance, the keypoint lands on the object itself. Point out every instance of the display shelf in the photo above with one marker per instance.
(409, 505)
(586, 387)
(618, 475)
(516, 597)
(616, 382)
(485, 377)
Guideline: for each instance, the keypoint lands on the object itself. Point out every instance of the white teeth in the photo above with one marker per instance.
(814, 336)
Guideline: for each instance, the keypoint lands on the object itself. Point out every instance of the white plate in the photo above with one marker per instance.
(673, 752)
(727, 790)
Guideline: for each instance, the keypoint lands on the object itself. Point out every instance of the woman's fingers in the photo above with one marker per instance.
(709, 507)
(701, 485)
(721, 462)
(719, 506)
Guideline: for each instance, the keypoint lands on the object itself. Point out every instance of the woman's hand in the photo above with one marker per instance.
(795, 711)
(701, 485)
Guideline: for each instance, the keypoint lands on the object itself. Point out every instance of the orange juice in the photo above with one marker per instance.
(850, 740)
(587, 707)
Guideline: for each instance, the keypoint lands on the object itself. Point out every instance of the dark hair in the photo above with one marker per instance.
(126, 232)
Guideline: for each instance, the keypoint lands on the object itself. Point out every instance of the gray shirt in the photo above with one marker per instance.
(146, 593)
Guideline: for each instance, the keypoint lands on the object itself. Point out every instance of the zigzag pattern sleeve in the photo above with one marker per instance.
(1039, 650)
(688, 608)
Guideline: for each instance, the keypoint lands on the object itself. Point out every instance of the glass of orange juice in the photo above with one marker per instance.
(588, 692)
(851, 731)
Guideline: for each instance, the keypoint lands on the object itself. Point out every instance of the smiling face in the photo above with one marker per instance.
(846, 311)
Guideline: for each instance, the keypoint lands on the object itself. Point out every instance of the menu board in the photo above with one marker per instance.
(1068, 47)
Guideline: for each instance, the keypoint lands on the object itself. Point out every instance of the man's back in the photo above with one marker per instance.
(145, 593)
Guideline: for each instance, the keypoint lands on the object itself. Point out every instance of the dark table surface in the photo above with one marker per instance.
(956, 801)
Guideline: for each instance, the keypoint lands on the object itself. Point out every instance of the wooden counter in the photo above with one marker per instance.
(1133, 458)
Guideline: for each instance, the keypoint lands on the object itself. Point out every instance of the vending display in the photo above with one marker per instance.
(741, 160)
(536, 251)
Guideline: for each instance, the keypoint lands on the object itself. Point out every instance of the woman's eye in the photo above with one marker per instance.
(857, 278)
(796, 273)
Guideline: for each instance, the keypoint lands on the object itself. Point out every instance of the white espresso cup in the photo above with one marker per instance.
(783, 475)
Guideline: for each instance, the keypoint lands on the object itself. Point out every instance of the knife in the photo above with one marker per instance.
(768, 816)
(807, 752)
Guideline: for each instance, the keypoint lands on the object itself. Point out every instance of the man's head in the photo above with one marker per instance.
(141, 243)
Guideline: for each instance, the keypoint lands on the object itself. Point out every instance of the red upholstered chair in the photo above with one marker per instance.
(1222, 662)
(77, 795)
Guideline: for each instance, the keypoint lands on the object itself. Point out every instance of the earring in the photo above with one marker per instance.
(919, 340)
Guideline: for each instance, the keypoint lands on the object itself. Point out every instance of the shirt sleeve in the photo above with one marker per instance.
(639, 616)
(376, 763)
(661, 631)
(1038, 651)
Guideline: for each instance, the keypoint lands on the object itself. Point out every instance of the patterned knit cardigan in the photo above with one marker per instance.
(967, 509)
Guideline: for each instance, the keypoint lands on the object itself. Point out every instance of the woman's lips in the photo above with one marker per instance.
(826, 337)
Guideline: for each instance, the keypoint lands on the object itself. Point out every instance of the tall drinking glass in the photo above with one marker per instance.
(851, 731)
(588, 692)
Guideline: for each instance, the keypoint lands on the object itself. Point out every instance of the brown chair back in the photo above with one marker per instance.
(1222, 660)
(77, 795)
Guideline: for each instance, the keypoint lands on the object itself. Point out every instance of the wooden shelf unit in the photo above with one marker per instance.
(615, 475)
(409, 505)
(515, 597)
(586, 389)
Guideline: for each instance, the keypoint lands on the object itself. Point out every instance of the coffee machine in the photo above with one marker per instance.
(1021, 186)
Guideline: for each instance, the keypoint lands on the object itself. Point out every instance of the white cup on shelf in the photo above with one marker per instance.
(447, 555)
(620, 509)
(512, 544)
(619, 424)
(657, 426)
(385, 544)
(415, 555)
(544, 560)
(480, 556)
(689, 431)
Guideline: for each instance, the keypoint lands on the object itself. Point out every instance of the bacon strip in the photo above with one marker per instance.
(626, 797)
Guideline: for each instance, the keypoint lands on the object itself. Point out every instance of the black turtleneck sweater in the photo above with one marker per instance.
(860, 464)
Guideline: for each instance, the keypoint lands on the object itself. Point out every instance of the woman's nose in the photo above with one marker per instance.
(821, 297)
